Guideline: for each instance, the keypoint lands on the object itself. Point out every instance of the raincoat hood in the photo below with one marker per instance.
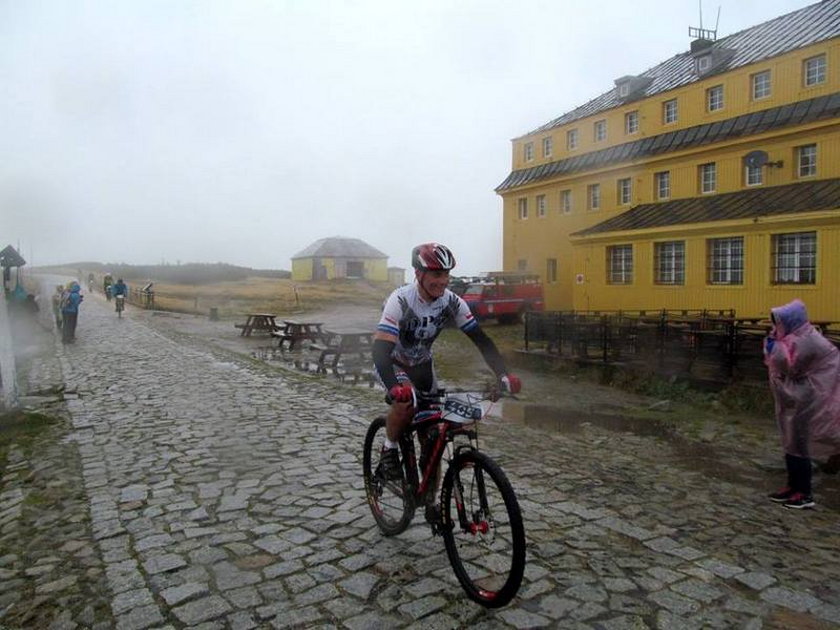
(804, 371)
(789, 317)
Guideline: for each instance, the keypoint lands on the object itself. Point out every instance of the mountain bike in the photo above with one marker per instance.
(120, 304)
(476, 512)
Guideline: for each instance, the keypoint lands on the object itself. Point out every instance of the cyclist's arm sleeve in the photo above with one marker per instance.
(488, 350)
(382, 361)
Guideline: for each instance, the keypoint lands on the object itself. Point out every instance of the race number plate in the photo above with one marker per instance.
(462, 409)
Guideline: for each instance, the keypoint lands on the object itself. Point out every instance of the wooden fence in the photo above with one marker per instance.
(715, 347)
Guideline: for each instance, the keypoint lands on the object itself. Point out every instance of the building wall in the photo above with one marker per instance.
(753, 298)
(537, 239)
(374, 269)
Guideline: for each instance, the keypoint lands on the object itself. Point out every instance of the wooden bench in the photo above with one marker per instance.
(257, 322)
(342, 343)
(295, 332)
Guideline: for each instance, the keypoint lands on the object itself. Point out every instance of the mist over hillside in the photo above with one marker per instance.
(187, 273)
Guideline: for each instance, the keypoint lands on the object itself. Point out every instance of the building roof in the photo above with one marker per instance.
(809, 25)
(9, 257)
(339, 247)
(745, 204)
(811, 110)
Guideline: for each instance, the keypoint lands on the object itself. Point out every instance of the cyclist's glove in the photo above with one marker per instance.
(400, 393)
(511, 383)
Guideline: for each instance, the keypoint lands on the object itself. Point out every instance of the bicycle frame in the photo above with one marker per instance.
(444, 430)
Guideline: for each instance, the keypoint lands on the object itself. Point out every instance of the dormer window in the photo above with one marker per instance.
(631, 87)
(708, 59)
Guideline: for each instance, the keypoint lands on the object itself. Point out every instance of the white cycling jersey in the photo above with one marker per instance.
(417, 323)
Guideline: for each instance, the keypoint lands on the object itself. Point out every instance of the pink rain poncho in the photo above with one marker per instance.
(804, 372)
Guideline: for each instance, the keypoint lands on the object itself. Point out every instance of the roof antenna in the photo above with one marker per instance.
(704, 33)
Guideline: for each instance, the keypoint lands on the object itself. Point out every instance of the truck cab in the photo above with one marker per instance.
(504, 296)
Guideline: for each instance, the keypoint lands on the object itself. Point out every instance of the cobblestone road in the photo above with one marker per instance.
(190, 487)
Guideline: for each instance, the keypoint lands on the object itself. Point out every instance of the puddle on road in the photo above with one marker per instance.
(707, 459)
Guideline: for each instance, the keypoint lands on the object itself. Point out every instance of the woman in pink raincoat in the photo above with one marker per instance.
(804, 369)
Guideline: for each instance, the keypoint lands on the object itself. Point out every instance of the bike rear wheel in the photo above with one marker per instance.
(390, 501)
(485, 540)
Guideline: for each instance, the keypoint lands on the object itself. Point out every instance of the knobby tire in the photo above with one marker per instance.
(494, 583)
(400, 510)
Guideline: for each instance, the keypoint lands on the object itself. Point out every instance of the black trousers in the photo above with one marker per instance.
(68, 327)
(799, 473)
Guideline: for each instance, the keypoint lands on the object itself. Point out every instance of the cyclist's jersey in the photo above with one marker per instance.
(417, 323)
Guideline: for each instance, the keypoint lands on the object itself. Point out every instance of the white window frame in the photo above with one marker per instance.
(522, 206)
(662, 181)
(725, 260)
(620, 264)
(806, 160)
(814, 70)
(753, 175)
(566, 201)
(572, 139)
(631, 122)
(547, 146)
(714, 98)
(540, 206)
(600, 130)
(625, 191)
(669, 262)
(551, 270)
(794, 258)
(707, 174)
(528, 151)
(760, 85)
(670, 112)
(593, 196)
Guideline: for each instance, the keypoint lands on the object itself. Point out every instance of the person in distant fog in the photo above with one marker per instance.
(119, 288)
(107, 281)
(70, 312)
(804, 370)
(56, 304)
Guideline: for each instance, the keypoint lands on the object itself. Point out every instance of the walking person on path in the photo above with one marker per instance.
(804, 370)
(70, 312)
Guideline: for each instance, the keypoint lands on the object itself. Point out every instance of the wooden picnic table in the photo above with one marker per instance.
(296, 332)
(258, 322)
(342, 342)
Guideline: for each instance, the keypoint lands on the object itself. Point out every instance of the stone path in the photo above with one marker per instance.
(193, 487)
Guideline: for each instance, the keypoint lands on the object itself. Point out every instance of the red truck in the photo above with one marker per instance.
(505, 296)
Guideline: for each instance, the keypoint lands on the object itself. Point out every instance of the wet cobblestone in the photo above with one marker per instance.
(187, 486)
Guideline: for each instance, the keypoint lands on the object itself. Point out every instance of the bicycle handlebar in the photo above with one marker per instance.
(491, 392)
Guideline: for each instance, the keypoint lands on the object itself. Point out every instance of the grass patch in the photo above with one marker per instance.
(266, 295)
(20, 428)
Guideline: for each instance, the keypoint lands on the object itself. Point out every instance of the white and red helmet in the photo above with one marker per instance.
(432, 257)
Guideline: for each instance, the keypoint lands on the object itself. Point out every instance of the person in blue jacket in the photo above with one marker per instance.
(120, 288)
(70, 312)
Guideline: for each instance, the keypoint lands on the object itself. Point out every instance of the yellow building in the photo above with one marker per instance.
(338, 257)
(711, 180)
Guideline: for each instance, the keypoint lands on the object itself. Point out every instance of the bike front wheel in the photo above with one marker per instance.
(389, 501)
(482, 529)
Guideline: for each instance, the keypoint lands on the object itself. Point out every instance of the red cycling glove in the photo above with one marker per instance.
(400, 393)
(511, 383)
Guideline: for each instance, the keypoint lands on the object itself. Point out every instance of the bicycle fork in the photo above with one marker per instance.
(477, 523)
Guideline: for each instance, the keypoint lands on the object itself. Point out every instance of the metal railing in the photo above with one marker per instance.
(714, 346)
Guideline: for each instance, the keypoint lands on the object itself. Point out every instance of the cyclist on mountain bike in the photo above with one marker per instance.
(412, 318)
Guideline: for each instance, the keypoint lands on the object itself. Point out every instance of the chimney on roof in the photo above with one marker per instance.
(700, 44)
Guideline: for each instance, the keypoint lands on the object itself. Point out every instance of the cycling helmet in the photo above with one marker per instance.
(432, 257)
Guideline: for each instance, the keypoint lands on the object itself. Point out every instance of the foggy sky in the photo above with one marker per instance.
(242, 131)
